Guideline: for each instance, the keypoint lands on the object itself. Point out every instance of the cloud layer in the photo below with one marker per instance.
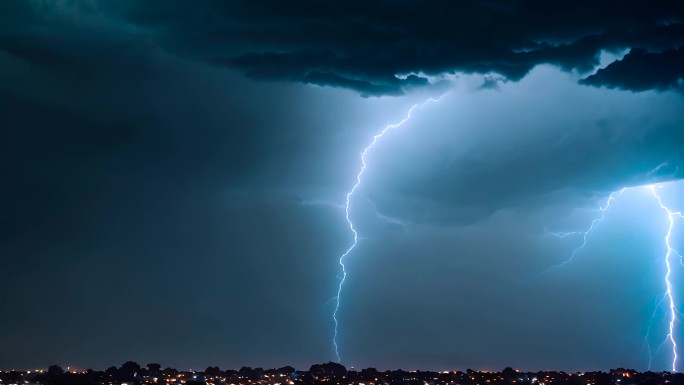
(172, 209)
(364, 46)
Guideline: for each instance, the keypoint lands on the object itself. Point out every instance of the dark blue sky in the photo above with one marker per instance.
(175, 175)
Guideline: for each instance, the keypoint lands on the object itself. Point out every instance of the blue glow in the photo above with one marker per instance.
(585, 233)
(348, 218)
(671, 252)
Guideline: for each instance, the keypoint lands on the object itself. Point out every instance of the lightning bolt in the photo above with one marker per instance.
(648, 332)
(351, 192)
(670, 253)
(584, 234)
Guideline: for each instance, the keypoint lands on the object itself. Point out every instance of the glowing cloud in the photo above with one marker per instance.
(671, 252)
(348, 218)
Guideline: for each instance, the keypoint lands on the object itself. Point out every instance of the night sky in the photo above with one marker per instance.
(174, 176)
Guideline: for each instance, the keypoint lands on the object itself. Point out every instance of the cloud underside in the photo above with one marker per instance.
(371, 47)
(387, 47)
(641, 70)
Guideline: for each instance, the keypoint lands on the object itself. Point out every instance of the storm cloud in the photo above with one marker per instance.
(175, 174)
(364, 46)
(641, 70)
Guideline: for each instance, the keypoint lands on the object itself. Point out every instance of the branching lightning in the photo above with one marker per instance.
(585, 234)
(348, 218)
(670, 253)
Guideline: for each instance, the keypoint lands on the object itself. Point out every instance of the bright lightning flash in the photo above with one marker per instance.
(585, 234)
(347, 216)
(670, 253)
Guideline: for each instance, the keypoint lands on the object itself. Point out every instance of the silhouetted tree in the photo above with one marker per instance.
(508, 373)
(288, 370)
(212, 371)
(153, 368)
(329, 370)
(128, 371)
(602, 378)
(170, 372)
(54, 371)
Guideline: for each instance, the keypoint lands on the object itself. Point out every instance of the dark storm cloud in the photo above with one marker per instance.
(364, 45)
(641, 70)
(119, 233)
(146, 179)
(277, 66)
